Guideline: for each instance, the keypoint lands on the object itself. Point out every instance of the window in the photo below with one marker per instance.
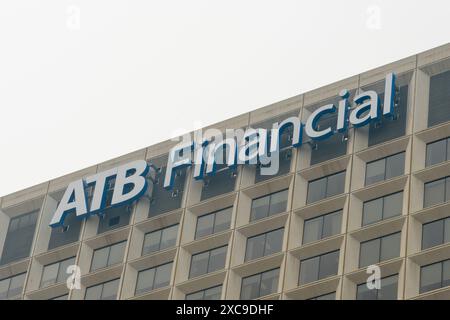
(436, 192)
(208, 261)
(12, 287)
(328, 296)
(269, 205)
(153, 278)
(63, 297)
(334, 146)
(160, 239)
(322, 227)
(388, 290)
(259, 285)
(213, 293)
(435, 233)
(386, 168)
(380, 249)
(112, 218)
(213, 222)
(264, 244)
(382, 208)
(439, 99)
(19, 237)
(103, 291)
(64, 235)
(434, 276)
(388, 128)
(319, 267)
(224, 179)
(163, 200)
(437, 152)
(326, 187)
(108, 256)
(56, 272)
(285, 147)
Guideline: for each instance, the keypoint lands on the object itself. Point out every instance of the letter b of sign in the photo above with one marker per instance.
(73, 281)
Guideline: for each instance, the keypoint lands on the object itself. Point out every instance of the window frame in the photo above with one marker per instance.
(146, 290)
(385, 159)
(265, 244)
(318, 270)
(383, 208)
(270, 196)
(380, 247)
(209, 260)
(160, 238)
(109, 254)
(326, 186)
(322, 216)
(260, 274)
(214, 222)
(57, 272)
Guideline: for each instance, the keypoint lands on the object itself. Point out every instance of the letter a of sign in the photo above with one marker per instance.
(74, 199)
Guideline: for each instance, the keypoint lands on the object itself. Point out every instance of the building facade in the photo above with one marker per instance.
(374, 195)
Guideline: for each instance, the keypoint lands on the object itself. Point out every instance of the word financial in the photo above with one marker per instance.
(255, 146)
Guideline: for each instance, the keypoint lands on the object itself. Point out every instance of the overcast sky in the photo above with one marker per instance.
(82, 82)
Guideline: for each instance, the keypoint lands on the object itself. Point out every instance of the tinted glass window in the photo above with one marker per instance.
(326, 187)
(259, 285)
(322, 227)
(19, 237)
(380, 249)
(153, 278)
(439, 99)
(437, 152)
(319, 267)
(269, 205)
(213, 222)
(388, 290)
(435, 233)
(208, 261)
(108, 256)
(386, 168)
(160, 239)
(382, 208)
(434, 192)
(103, 291)
(213, 293)
(264, 244)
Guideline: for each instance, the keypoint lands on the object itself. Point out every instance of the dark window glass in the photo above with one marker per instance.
(19, 237)
(264, 244)
(163, 200)
(435, 192)
(319, 267)
(382, 208)
(385, 128)
(387, 291)
(213, 222)
(386, 168)
(69, 233)
(326, 187)
(379, 249)
(103, 291)
(260, 284)
(431, 276)
(439, 99)
(12, 287)
(328, 296)
(160, 239)
(223, 181)
(269, 205)
(153, 278)
(437, 152)
(322, 227)
(108, 256)
(208, 261)
(435, 233)
(213, 293)
(56, 272)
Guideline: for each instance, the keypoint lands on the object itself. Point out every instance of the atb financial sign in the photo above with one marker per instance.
(252, 146)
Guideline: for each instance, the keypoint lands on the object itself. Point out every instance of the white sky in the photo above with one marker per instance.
(84, 81)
